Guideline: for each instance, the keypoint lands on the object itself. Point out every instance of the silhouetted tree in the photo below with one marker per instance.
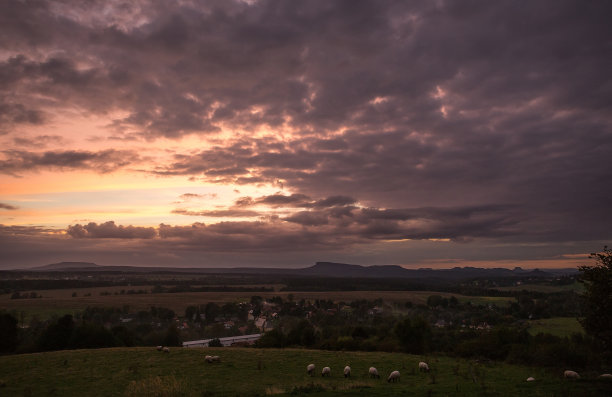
(414, 334)
(8, 333)
(172, 337)
(597, 299)
(91, 336)
(57, 335)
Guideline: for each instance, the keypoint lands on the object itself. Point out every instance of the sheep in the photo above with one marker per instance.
(310, 369)
(423, 367)
(166, 350)
(347, 372)
(394, 377)
(373, 373)
(326, 371)
(605, 376)
(571, 374)
(159, 348)
(530, 379)
(212, 359)
(208, 359)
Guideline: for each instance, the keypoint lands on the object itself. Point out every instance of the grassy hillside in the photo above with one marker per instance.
(258, 372)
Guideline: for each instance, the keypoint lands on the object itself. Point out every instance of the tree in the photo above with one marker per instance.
(414, 335)
(597, 298)
(172, 337)
(8, 333)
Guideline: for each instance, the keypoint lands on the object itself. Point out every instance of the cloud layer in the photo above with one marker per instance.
(480, 122)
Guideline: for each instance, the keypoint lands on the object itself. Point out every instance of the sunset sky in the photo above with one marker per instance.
(281, 133)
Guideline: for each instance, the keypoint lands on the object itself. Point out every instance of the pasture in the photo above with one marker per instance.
(260, 372)
(558, 326)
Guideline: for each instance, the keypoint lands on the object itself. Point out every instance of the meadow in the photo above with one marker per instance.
(259, 372)
(558, 326)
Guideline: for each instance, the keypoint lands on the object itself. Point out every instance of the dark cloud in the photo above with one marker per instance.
(308, 218)
(280, 200)
(18, 161)
(196, 196)
(189, 68)
(110, 230)
(19, 114)
(295, 200)
(230, 213)
(39, 141)
(8, 207)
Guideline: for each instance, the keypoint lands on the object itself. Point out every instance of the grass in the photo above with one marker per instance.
(260, 372)
(558, 326)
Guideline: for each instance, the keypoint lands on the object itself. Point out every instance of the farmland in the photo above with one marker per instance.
(61, 301)
(558, 326)
(257, 372)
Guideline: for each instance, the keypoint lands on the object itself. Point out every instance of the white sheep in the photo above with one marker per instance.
(530, 379)
(423, 367)
(208, 359)
(347, 372)
(326, 371)
(212, 359)
(394, 377)
(605, 376)
(373, 373)
(571, 374)
(310, 369)
(159, 348)
(166, 350)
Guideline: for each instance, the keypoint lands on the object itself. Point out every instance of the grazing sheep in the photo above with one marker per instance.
(310, 369)
(159, 348)
(373, 373)
(212, 359)
(326, 371)
(347, 372)
(571, 375)
(394, 377)
(605, 376)
(423, 367)
(166, 350)
(530, 379)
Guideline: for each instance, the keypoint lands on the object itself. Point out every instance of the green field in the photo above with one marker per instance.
(558, 326)
(259, 372)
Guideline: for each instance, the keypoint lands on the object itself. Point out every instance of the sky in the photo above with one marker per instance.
(280, 133)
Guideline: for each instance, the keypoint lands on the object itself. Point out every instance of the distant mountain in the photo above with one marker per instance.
(67, 266)
(321, 269)
(331, 269)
